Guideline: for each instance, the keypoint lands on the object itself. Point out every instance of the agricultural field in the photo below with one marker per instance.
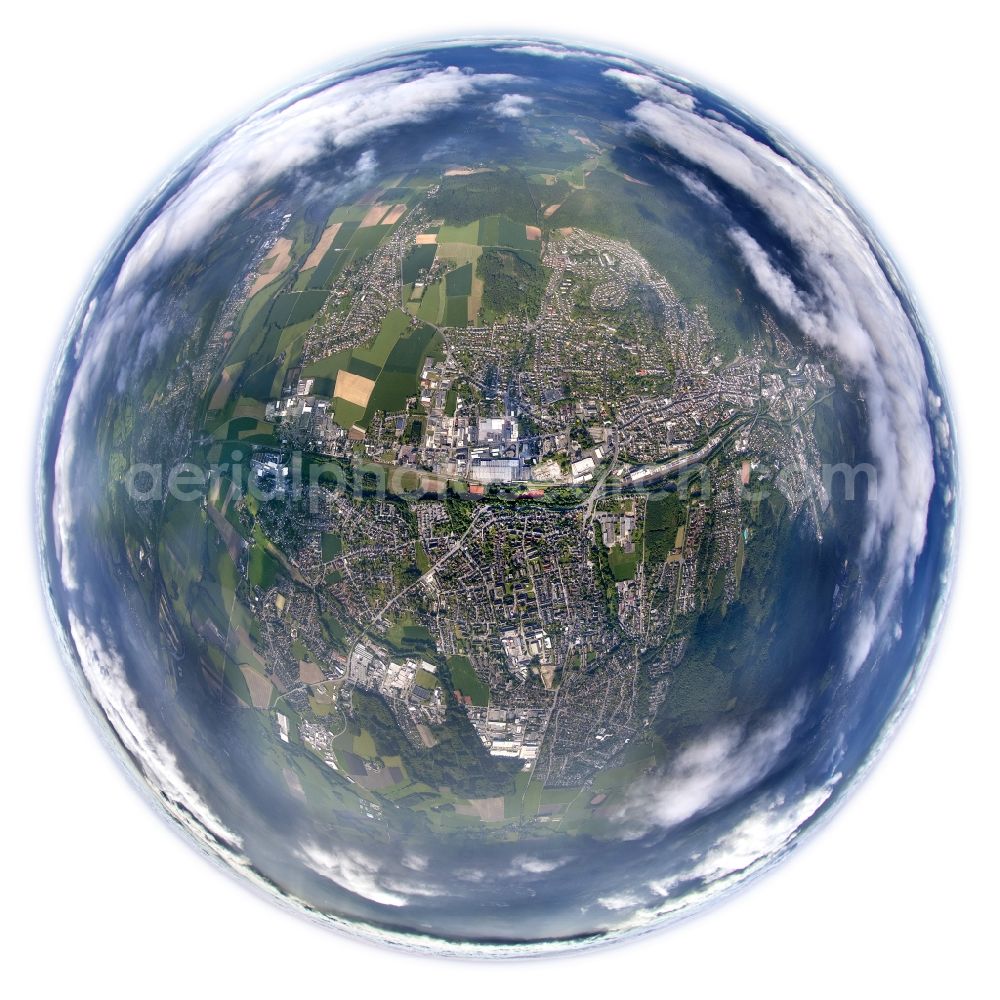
(381, 375)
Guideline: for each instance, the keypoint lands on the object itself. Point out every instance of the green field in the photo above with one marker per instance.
(290, 308)
(392, 389)
(429, 309)
(332, 546)
(347, 413)
(459, 281)
(456, 310)
(328, 367)
(263, 567)
(378, 351)
(392, 359)
(347, 214)
(398, 379)
(425, 679)
(423, 563)
(417, 260)
(333, 262)
(623, 564)
(465, 679)
(406, 637)
(468, 233)
(364, 241)
(236, 682)
(500, 231)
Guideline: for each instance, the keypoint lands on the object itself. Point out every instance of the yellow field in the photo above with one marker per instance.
(309, 673)
(260, 687)
(325, 242)
(532, 232)
(221, 395)
(394, 215)
(280, 258)
(488, 810)
(354, 388)
(460, 253)
(372, 216)
(475, 298)
(426, 736)
(294, 783)
(424, 238)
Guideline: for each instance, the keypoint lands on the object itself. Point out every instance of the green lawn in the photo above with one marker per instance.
(465, 679)
(622, 563)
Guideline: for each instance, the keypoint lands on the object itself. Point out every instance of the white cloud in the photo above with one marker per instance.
(105, 674)
(710, 771)
(753, 843)
(527, 865)
(652, 88)
(512, 105)
(553, 50)
(699, 188)
(763, 833)
(367, 876)
(353, 871)
(849, 307)
(544, 49)
(619, 901)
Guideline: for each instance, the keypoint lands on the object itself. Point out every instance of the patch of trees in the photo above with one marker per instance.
(513, 281)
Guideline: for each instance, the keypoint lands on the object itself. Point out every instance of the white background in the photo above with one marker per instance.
(101, 99)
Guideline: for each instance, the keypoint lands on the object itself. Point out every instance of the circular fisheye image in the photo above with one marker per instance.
(497, 497)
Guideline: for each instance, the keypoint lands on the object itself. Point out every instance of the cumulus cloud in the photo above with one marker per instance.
(755, 841)
(549, 50)
(527, 865)
(711, 771)
(652, 88)
(369, 877)
(104, 671)
(849, 306)
(619, 901)
(763, 833)
(512, 105)
(353, 871)
(553, 50)
(699, 188)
